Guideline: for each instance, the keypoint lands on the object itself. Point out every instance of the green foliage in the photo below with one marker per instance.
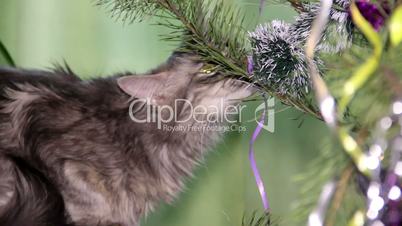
(373, 100)
(374, 73)
(329, 164)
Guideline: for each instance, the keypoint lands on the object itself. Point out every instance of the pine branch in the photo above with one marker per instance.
(297, 5)
(130, 10)
(327, 165)
(211, 29)
(265, 219)
(339, 196)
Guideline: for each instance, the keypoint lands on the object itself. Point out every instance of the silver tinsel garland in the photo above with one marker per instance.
(338, 32)
(279, 60)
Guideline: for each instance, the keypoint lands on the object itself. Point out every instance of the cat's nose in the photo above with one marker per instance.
(242, 89)
(250, 90)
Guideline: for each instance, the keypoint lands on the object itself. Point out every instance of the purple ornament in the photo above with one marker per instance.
(372, 14)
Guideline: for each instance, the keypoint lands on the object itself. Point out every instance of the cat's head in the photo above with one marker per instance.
(180, 83)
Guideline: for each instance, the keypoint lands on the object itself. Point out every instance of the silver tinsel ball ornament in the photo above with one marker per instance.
(337, 35)
(279, 60)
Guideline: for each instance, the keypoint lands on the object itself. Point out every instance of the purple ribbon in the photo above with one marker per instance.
(250, 65)
(256, 133)
(253, 164)
(262, 3)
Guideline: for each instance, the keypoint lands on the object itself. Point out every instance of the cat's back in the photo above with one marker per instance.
(74, 129)
(29, 97)
(44, 103)
(24, 85)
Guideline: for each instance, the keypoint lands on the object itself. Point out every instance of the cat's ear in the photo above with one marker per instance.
(142, 87)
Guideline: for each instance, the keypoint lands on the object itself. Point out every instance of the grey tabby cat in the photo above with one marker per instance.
(70, 154)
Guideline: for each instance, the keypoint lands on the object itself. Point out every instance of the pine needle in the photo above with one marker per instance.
(6, 55)
(256, 219)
